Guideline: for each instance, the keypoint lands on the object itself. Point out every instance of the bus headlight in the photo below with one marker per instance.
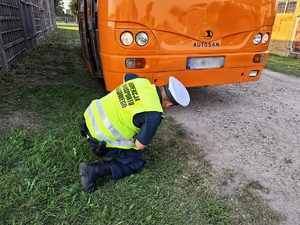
(265, 39)
(126, 38)
(141, 39)
(257, 39)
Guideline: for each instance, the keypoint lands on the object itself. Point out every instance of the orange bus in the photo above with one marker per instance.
(200, 42)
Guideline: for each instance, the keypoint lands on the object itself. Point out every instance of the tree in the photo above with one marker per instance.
(73, 7)
(59, 6)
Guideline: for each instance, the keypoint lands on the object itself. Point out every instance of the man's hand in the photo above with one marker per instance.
(139, 145)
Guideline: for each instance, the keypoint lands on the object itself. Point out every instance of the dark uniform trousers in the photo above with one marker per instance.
(123, 162)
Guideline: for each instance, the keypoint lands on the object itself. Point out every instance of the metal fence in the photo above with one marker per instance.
(66, 19)
(23, 23)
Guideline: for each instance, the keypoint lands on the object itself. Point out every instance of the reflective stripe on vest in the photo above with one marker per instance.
(121, 139)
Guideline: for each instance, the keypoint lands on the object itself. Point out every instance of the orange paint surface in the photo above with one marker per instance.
(177, 30)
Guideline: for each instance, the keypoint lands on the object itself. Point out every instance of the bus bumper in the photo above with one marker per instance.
(158, 69)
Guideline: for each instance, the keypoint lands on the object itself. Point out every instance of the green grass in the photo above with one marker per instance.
(67, 26)
(44, 97)
(287, 65)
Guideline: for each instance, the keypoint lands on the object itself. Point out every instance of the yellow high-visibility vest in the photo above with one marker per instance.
(110, 118)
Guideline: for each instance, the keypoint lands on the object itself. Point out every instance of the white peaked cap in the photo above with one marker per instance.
(176, 92)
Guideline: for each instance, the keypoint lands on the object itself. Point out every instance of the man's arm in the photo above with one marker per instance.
(148, 123)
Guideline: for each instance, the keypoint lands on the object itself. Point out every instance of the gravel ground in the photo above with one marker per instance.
(252, 129)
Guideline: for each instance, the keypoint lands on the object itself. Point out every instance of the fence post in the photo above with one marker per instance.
(29, 24)
(3, 63)
(52, 15)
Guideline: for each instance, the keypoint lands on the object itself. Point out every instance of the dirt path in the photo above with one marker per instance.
(252, 129)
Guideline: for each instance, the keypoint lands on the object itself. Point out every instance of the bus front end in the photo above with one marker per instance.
(199, 42)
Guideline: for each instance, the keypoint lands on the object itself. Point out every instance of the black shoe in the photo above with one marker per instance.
(88, 177)
(90, 172)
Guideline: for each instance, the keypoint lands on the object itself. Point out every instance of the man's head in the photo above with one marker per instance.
(174, 93)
